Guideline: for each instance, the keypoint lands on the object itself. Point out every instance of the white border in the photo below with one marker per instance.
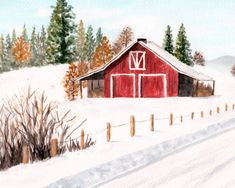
(111, 82)
(164, 82)
(142, 57)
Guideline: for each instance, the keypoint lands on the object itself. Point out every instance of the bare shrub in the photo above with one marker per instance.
(10, 141)
(31, 120)
(233, 70)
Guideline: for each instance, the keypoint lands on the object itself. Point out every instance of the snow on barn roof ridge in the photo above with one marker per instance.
(161, 53)
(174, 62)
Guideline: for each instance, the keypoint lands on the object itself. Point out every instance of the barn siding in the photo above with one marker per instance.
(154, 65)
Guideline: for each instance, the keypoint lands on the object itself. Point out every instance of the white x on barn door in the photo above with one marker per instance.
(137, 60)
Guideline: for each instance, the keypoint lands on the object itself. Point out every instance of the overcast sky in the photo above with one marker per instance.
(210, 24)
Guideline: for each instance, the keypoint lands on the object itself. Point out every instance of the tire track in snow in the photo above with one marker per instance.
(127, 164)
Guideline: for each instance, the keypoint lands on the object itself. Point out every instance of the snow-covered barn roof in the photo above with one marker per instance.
(161, 53)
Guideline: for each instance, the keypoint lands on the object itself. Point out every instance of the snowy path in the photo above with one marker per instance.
(172, 171)
(209, 164)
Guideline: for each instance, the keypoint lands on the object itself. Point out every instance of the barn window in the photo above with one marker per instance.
(137, 60)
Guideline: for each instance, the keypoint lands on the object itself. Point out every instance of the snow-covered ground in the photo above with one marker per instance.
(116, 111)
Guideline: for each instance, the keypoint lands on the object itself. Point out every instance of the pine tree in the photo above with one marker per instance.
(103, 53)
(71, 86)
(81, 50)
(2, 48)
(3, 56)
(21, 51)
(33, 48)
(99, 36)
(198, 58)
(89, 44)
(24, 34)
(182, 48)
(125, 37)
(13, 38)
(168, 41)
(41, 41)
(61, 34)
(8, 59)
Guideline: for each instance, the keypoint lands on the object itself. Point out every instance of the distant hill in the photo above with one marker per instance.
(222, 64)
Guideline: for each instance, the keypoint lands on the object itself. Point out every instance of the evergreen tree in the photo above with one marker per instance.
(1, 51)
(99, 36)
(168, 41)
(182, 48)
(8, 59)
(41, 47)
(103, 53)
(61, 34)
(124, 38)
(3, 56)
(89, 44)
(24, 34)
(33, 48)
(81, 50)
(13, 38)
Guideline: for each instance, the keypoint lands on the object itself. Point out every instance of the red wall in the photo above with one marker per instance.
(154, 65)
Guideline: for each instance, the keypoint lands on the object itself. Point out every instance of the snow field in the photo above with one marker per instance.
(116, 111)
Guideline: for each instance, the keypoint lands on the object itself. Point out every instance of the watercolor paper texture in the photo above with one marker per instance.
(117, 93)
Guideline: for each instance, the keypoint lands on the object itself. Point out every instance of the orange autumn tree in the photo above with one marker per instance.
(103, 53)
(71, 85)
(21, 51)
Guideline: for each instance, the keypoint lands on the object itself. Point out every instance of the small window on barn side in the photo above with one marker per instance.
(137, 60)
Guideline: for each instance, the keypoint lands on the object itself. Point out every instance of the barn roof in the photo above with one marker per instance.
(161, 53)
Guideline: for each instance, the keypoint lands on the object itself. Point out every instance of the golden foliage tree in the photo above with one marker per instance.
(103, 53)
(21, 51)
(71, 86)
(124, 38)
(82, 68)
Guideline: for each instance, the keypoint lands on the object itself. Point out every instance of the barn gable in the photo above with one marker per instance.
(144, 69)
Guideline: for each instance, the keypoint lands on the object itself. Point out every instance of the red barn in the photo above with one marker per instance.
(144, 69)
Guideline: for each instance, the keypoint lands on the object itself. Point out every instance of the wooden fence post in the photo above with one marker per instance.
(210, 112)
(54, 147)
(217, 110)
(25, 153)
(192, 115)
(80, 89)
(152, 122)
(171, 119)
(202, 114)
(181, 118)
(108, 132)
(226, 107)
(132, 126)
(82, 139)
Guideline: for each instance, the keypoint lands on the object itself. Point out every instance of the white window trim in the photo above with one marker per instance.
(111, 83)
(142, 57)
(142, 75)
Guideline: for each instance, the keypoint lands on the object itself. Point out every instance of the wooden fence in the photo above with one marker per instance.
(132, 124)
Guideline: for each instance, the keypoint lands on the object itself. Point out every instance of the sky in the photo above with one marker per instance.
(210, 24)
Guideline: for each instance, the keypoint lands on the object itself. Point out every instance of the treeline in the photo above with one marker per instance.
(19, 51)
(62, 42)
